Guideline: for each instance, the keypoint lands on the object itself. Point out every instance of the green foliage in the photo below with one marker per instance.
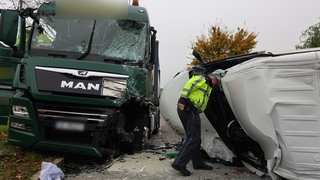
(221, 43)
(20, 4)
(310, 38)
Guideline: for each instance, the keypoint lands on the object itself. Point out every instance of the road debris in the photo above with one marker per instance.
(50, 171)
(152, 163)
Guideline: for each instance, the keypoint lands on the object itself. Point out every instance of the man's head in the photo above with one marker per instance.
(216, 76)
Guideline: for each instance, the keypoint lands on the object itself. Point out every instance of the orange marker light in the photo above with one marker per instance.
(135, 2)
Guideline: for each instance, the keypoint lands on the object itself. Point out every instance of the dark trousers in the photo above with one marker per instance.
(190, 149)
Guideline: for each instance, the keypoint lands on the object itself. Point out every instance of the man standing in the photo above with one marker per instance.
(193, 100)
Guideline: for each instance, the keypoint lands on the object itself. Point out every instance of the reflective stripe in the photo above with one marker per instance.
(185, 90)
(193, 85)
(205, 97)
(184, 96)
(197, 91)
(197, 106)
(204, 91)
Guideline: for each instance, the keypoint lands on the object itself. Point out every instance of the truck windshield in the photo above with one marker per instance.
(112, 39)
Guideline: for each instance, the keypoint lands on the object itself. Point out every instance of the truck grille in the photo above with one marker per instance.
(91, 119)
(69, 115)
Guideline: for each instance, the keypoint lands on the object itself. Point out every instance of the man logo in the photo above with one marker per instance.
(82, 73)
(79, 85)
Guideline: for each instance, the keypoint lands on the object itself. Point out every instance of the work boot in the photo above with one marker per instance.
(182, 170)
(202, 167)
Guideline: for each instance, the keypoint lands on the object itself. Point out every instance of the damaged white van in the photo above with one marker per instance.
(265, 113)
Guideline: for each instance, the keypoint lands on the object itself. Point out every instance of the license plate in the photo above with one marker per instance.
(71, 126)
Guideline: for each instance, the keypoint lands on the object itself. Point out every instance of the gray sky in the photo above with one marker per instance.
(278, 23)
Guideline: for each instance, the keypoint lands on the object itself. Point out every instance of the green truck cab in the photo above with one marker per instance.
(86, 85)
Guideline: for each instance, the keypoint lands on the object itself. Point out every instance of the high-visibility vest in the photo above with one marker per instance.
(197, 91)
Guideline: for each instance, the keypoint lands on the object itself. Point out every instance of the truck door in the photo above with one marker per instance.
(8, 63)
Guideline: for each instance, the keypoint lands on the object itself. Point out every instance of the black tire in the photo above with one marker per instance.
(143, 122)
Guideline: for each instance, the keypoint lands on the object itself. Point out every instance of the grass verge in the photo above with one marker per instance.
(18, 163)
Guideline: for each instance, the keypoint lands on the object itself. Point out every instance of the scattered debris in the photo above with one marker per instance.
(171, 155)
(50, 171)
(161, 158)
(120, 159)
(151, 163)
(141, 170)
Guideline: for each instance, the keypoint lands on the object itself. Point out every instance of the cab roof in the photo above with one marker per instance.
(135, 13)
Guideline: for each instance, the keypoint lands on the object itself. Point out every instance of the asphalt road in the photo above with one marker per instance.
(154, 163)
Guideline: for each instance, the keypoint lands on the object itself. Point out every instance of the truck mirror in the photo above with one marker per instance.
(153, 44)
(8, 26)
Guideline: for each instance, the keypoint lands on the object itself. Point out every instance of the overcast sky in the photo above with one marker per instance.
(278, 23)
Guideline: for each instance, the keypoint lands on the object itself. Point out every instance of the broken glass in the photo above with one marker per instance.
(113, 39)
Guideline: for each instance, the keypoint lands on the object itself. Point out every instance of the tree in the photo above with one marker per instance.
(20, 4)
(310, 38)
(221, 43)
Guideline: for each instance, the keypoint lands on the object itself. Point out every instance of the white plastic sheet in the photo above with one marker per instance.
(50, 171)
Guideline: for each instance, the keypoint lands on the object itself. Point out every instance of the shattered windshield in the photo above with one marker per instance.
(112, 39)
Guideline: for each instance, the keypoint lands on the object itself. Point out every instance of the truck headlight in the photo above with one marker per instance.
(21, 126)
(20, 111)
(114, 87)
(18, 125)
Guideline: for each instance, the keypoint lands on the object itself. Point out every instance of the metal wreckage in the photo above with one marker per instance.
(87, 85)
(89, 94)
(265, 112)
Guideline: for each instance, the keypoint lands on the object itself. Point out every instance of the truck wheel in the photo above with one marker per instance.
(140, 134)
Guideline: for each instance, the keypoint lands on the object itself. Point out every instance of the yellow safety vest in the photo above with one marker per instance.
(197, 91)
